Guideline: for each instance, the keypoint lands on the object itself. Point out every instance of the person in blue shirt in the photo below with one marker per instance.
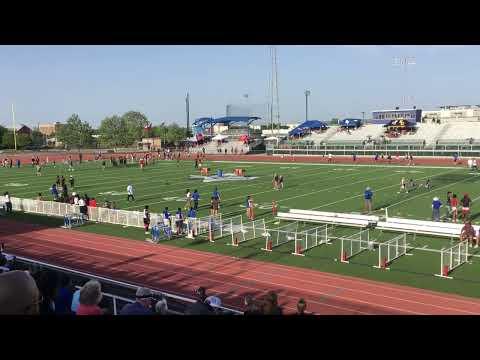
(54, 192)
(436, 205)
(216, 194)
(192, 213)
(142, 304)
(195, 197)
(368, 196)
(166, 217)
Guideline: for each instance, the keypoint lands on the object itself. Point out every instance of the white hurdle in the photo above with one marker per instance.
(311, 238)
(391, 250)
(453, 257)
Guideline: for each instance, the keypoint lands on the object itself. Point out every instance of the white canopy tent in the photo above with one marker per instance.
(219, 137)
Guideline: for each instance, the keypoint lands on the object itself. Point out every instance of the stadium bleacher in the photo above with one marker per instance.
(364, 133)
(460, 133)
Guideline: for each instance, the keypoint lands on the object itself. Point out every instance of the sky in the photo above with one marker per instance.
(49, 83)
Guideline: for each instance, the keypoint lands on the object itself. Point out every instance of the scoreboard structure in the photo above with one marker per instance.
(386, 116)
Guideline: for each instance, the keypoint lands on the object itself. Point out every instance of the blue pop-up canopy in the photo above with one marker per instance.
(306, 126)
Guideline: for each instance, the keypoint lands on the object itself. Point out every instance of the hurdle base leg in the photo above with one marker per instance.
(381, 268)
(264, 249)
(298, 254)
(443, 276)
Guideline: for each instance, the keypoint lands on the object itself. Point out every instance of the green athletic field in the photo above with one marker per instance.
(307, 186)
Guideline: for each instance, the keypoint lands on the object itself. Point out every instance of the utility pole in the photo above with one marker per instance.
(272, 85)
(14, 129)
(187, 109)
(307, 94)
(363, 116)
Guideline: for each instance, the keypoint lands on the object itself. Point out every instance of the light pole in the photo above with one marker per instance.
(363, 116)
(307, 94)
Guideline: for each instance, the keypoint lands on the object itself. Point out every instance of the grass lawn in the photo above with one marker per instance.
(307, 186)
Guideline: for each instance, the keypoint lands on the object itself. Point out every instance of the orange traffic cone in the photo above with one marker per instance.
(383, 265)
(235, 241)
(269, 245)
(344, 256)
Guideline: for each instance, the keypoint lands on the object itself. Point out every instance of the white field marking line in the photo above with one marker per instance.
(136, 252)
(207, 279)
(347, 165)
(325, 189)
(267, 191)
(428, 192)
(122, 176)
(201, 186)
(256, 184)
(314, 192)
(360, 195)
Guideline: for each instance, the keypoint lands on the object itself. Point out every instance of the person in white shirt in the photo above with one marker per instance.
(8, 202)
(83, 206)
(470, 163)
(474, 164)
(188, 196)
(130, 192)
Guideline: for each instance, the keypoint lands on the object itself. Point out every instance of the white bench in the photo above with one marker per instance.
(323, 219)
(370, 218)
(451, 230)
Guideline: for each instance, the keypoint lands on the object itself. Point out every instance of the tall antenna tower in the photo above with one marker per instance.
(274, 102)
(276, 89)
(404, 63)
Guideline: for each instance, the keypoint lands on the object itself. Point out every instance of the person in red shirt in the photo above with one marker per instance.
(90, 297)
(454, 207)
(466, 203)
(92, 202)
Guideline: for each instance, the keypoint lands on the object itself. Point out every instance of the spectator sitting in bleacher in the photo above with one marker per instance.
(19, 294)
(64, 297)
(301, 306)
(199, 307)
(47, 284)
(215, 302)
(90, 297)
(142, 304)
(161, 307)
(270, 305)
(250, 307)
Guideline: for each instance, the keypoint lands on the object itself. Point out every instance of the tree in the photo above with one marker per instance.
(3, 130)
(76, 133)
(334, 121)
(113, 132)
(135, 123)
(175, 134)
(8, 140)
(38, 139)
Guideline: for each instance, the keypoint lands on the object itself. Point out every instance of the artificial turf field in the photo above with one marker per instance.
(332, 187)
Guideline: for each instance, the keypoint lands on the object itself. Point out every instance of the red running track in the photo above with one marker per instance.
(179, 270)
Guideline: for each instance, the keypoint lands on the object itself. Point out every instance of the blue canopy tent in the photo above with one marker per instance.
(306, 127)
(202, 124)
(350, 123)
